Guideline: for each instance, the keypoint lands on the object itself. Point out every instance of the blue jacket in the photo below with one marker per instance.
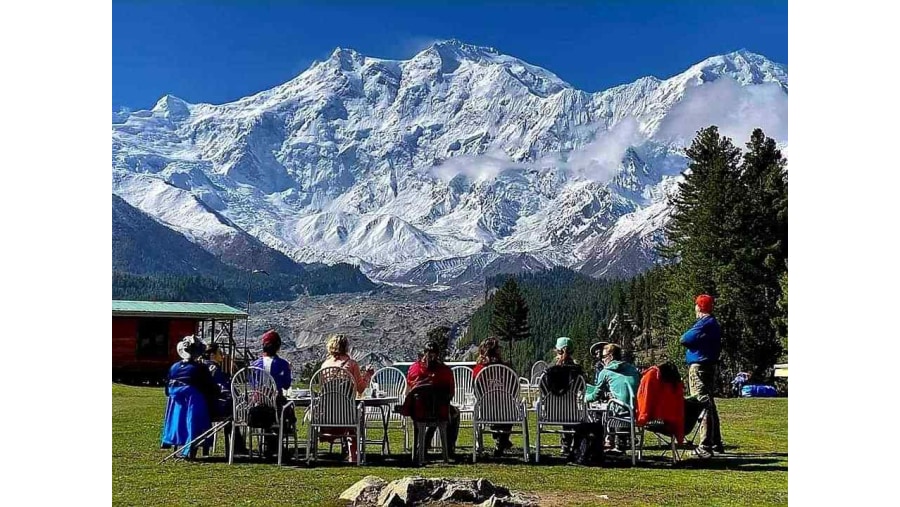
(280, 371)
(703, 341)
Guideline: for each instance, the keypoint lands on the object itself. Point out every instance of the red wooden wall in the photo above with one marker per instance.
(124, 345)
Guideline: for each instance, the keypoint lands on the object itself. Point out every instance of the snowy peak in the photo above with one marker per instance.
(458, 159)
(743, 66)
(171, 107)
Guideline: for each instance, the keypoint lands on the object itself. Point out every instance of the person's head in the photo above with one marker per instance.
(597, 350)
(703, 305)
(271, 342)
(431, 354)
(489, 351)
(190, 348)
(611, 352)
(338, 345)
(564, 350)
(214, 353)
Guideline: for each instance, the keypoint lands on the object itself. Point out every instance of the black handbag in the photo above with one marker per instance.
(587, 445)
(261, 416)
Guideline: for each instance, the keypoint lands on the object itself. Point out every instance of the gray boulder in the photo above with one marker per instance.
(365, 491)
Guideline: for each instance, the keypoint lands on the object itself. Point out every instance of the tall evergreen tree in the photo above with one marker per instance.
(761, 258)
(509, 321)
(703, 233)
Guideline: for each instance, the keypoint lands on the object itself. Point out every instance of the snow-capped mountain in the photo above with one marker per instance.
(439, 168)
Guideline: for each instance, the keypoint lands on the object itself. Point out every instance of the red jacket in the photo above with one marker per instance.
(661, 401)
(440, 376)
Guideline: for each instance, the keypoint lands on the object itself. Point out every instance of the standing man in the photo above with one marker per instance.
(704, 342)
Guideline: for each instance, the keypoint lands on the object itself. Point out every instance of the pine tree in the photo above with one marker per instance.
(509, 321)
(762, 257)
(702, 235)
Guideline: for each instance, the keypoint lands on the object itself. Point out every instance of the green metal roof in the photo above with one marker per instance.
(173, 309)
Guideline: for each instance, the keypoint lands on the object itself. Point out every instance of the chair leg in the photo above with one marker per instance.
(443, 429)
(525, 433)
(537, 444)
(231, 444)
(360, 443)
(309, 441)
(475, 437)
(633, 450)
(421, 430)
(280, 439)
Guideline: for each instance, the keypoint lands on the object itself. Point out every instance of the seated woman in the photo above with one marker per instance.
(213, 359)
(338, 346)
(618, 379)
(488, 354)
(274, 365)
(191, 392)
(430, 372)
(280, 370)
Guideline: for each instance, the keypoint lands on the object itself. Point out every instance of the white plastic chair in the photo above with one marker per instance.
(334, 405)
(566, 411)
(621, 420)
(250, 387)
(464, 394)
(537, 370)
(498, 401)
(392, 382)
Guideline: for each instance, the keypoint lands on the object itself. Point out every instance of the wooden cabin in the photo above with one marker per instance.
(145, 335)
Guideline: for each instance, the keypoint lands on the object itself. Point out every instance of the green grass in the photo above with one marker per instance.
(753, 473)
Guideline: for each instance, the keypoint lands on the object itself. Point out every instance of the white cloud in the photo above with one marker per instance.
(735, 109)
(475, 167)
(600, 159)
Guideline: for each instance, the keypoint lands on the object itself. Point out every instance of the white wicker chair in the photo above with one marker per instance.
(334, 405)
(621, 421)
(250, 387)
(498, 401)
(566, 411)
(464, 394)
(537, 370)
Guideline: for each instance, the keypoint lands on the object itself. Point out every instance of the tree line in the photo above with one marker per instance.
(727, 237)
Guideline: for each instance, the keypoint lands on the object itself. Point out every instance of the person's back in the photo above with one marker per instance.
(278, 368)
(560, 378)
(430, 386)
(703, 341)
(621, 380)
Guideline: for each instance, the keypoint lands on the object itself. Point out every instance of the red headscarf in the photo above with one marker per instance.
(271, 339)
(705, 303)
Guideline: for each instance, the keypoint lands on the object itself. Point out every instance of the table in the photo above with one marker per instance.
(384, 405)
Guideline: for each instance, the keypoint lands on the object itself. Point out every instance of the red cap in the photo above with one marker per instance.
(271, 338)
(705, 302)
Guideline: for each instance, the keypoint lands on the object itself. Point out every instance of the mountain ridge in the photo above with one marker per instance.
(458, 152)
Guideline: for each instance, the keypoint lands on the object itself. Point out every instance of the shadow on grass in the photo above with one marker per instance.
(756, 462)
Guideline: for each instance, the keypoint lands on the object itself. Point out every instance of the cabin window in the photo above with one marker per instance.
(153, 338)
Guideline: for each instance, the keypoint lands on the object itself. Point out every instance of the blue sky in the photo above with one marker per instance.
(219, 51)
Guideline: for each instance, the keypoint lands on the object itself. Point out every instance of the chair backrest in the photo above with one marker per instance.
(537, 370)
(568, 407)
(391, 381)
(464, 394)
(430, 403)
(333, 392)
(251, 387)
(497, 394)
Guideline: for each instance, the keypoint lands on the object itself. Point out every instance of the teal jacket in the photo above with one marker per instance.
(616, 378)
